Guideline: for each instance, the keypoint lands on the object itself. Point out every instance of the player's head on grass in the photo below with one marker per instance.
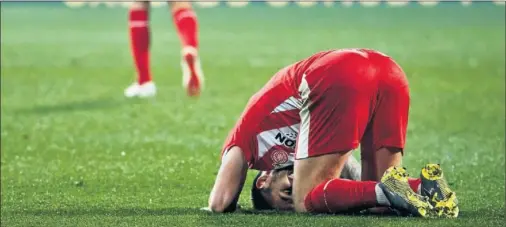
(273, 189)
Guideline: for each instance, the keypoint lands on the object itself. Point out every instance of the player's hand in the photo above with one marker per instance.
(207, 209)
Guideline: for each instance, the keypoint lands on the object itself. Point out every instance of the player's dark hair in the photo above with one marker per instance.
(257, 198)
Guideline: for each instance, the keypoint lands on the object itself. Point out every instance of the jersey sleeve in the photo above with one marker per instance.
(239, 138)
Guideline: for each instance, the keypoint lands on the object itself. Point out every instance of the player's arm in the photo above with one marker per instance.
(229, 182)
(352, 169)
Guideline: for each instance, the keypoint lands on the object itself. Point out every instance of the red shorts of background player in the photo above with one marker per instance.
(351, 97)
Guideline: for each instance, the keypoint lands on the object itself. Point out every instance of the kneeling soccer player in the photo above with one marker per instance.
(314, 113)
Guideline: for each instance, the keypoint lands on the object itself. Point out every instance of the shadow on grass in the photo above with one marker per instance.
(124, 212)
(111, 212)
(177, 211)
(94, 104)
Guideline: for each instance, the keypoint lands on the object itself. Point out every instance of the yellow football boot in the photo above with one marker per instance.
(394, 184)
(440, 195)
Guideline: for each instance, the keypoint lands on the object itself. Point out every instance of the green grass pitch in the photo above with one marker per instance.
(75, 152)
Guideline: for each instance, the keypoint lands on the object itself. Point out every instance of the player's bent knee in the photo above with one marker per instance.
(311, 172)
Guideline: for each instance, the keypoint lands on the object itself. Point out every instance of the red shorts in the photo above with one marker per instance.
(348, 94)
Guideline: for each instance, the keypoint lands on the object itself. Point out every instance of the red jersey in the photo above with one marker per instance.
(326, 103)
(268, 128)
